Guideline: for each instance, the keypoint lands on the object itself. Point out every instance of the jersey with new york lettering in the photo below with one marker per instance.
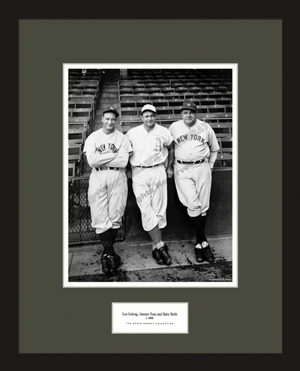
(195, 142)
(149, 148)
(103, 143)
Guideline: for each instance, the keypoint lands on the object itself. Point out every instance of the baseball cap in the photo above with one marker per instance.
(189, 105)
(110, 109)
(148, 107)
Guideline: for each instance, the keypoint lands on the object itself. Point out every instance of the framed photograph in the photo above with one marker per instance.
(212, 90)
(233, 305)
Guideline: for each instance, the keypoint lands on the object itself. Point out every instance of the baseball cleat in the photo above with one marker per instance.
(165, 255)
(207, 252)
(105, 264)
(157, 256)
(115, 262)
(199, 253)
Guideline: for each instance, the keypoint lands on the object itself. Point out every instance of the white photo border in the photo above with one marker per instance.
(65, 267)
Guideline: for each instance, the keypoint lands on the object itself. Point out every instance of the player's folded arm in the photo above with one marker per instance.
(97, 159)
(120, 160)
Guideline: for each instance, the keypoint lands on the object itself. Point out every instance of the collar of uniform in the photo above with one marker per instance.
(150, 131)
(102, 131)
(190, 127)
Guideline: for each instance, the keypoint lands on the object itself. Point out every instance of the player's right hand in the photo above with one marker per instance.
(170, 173)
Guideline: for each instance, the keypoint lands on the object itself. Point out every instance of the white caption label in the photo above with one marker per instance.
(150, 318)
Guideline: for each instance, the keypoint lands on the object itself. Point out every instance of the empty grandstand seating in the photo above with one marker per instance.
(166, 90)
(84, 88)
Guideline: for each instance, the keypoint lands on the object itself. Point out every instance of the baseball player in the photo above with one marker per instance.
(149, 163)
(195, 150)
(107, 152)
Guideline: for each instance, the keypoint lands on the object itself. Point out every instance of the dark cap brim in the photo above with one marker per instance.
(191, 109)
(110, 110)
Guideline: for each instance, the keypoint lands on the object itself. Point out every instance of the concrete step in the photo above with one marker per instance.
(109, 89)
(109, 95)
(108, 102)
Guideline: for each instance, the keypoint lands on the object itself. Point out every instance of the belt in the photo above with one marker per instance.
(106, 168)
(147, 167)
(191, 162)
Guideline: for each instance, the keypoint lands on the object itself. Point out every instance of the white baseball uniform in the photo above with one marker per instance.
(193, 181)
(107, 187)
(149, 181)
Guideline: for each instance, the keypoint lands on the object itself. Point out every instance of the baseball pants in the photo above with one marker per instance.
(107, 198)
(193, 185)
(150, 189)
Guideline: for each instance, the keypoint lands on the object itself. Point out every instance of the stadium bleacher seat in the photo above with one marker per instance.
(222, 89)
(208, 89)
(161, 102)
(165, 85)
(215, 94)
(223, 160)
(127, 103)
(155, 96)
(180, 90)
(126, 97)
(75, 156)
(76, 91)
(71, 170)
(129, 111)
(175, 102)
(188, 85)
(225, 144)
(82, 112)
(80, 126)
(143, 95)
(216, 108)
(222, 129)
(81, 122)
(92, 92)
(84, 102)
(194, 89)
(165, 90)
(173, 95)
(207, 117)
(207, 102)
(150, 85)
(188, 95)
(223, 101)
(153, 90)
(126, 90)
(176, 84)
(76, 135)
(142, 102)
(164, 110)
(140, 90)
(202, 109)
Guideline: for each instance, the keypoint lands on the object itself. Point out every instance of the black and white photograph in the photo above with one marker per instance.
(150, 175)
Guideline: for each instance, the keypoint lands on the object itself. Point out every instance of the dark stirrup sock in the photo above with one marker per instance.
(198, 223)
(113, 234)
(107, 243)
